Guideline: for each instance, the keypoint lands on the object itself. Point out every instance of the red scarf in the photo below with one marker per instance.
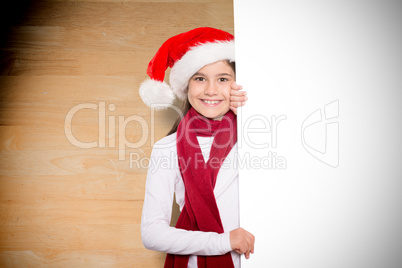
(200, 212)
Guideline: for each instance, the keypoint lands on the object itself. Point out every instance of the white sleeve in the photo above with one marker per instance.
(156, 233)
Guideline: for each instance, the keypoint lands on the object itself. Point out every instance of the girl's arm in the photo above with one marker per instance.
(156, 233)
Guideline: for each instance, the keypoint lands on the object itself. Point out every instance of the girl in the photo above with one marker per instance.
(197, 161)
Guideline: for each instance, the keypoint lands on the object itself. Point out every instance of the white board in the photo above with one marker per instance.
(320, 147)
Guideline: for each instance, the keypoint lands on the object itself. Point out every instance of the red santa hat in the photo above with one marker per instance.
(185, 54)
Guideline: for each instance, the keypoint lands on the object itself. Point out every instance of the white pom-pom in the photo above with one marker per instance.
(156, 94)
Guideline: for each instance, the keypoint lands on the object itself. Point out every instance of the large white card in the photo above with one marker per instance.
(320, 138)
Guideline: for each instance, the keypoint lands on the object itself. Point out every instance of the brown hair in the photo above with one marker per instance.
(186, 104)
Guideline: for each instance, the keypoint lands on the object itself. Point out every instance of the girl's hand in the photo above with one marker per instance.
(237, 98)
(242, 242)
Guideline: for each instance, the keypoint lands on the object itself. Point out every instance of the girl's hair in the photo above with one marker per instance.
(186, 104)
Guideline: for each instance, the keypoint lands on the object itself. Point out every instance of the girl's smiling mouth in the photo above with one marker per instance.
(211, 102)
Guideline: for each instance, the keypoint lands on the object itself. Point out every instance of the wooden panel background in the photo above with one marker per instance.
(62, 205)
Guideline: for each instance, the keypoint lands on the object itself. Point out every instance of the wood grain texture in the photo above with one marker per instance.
(82, 258)
(63, 205)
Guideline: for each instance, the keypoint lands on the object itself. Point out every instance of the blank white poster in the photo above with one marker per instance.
(320, 138)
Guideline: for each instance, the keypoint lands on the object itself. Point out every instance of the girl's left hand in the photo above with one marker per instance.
(237, 97)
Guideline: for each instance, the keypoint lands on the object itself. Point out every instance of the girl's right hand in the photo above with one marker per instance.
(237, 97)
(242, 242)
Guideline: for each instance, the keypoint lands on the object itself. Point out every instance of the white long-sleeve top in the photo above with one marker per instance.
(163, 180)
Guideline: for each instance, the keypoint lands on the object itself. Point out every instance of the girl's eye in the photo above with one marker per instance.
(222, 79)
(199, 79)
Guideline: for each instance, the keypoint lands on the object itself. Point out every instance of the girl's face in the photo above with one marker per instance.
(209, 89)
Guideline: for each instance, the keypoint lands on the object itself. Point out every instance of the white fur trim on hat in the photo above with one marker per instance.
(196, 58)
(156, 94)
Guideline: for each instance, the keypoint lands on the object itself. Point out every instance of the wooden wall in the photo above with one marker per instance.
(75, 66)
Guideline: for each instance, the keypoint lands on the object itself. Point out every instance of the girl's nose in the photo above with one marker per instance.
(211, 89)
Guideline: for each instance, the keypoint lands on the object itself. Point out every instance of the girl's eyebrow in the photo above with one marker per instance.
(220, 74)
(198, 73)
(224, 74)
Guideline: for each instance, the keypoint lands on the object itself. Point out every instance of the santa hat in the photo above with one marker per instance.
(185, 54)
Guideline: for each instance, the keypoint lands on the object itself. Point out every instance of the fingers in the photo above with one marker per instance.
(236, 92)
(237, 98)
(238, 251)
(250, 244)
(236, 86)
(247, 254)
(242, 242)
(250, 241)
